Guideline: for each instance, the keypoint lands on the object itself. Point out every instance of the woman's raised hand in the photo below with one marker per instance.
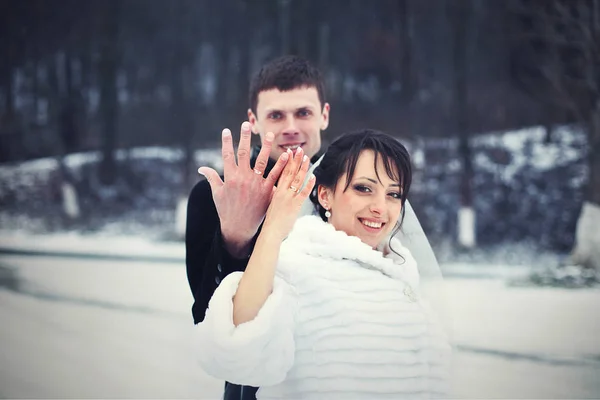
(288, 196)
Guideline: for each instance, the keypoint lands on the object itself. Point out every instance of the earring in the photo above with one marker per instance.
(327, 214)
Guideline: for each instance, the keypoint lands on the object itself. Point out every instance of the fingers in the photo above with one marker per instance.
(301, 174)
(305, 192)
(244, 147)
(213, 178)
(278, 168)
(227, 154)
(263, 156)
(291, 169)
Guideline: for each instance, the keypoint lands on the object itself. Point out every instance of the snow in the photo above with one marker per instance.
(93, 328)
(115, 321)
(527, 147)
(77, 160)
(104, 246)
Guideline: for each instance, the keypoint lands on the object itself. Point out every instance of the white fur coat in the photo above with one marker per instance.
(343, 321)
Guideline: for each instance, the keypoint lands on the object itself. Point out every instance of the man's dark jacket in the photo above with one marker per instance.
(208, 262)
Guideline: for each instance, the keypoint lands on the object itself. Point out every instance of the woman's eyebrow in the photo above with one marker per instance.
(376, 182)
(369, 179)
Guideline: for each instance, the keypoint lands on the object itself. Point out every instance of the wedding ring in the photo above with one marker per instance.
(257, 172)
(293, 188)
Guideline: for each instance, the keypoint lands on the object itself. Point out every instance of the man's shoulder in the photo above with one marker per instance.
(201, 191)
(200, 187)
(200, 198)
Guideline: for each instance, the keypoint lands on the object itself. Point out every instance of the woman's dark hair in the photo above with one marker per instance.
(342, 155)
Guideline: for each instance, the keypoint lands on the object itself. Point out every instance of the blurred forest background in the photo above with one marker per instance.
(450, 77)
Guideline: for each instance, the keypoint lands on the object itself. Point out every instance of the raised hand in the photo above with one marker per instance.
(243, 197)
(288, 198)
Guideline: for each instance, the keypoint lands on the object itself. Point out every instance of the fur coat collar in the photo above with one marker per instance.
(312, 236)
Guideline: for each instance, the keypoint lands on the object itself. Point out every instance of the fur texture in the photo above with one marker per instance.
(343, 320)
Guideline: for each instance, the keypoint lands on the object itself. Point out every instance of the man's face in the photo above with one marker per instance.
(295, 117)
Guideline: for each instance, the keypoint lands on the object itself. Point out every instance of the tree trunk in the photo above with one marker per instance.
(284, 26)
(244, 41)
(8, 81)
(108, 90)
(466, 215)
(323, 46)
(593, 190)
(181, 110)
(68, 135)
(587, 236)
(36, 84)
(68, 112)
(406, 76)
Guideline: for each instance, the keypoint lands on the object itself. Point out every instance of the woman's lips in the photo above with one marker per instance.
(371, 225)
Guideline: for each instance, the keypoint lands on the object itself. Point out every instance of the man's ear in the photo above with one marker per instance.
(325, 116)
(252, 119)
(325, 196)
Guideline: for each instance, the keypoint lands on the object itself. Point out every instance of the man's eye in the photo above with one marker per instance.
(303, 113)
(275, 115)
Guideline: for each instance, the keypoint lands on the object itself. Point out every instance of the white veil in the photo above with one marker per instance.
(412, 236)
(432, 285)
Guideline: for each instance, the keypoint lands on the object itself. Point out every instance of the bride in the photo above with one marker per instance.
(330, 305)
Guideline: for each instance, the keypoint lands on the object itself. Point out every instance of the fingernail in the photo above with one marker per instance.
(304, 158)
(289, 151)
(226, 132)
(246, 126)
(269, 136)
(200, 172)
(284, 156)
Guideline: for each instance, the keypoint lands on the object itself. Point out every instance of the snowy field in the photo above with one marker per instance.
(85, 328)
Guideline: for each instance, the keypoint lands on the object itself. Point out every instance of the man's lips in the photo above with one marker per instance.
(291, 146)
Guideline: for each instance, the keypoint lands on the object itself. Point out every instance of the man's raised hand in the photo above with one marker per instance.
(243, 197)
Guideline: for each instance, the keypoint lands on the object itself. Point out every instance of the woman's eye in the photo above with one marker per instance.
(396, 195)
(362, 188)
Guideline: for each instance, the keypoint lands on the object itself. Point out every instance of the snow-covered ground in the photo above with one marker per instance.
(114, 321)
(91, 328)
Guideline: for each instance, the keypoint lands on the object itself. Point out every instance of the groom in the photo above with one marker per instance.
(288, 110)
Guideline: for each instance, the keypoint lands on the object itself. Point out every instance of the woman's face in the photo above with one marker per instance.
(370, 207)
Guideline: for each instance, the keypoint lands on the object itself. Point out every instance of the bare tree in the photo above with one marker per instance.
(562, 38)
(407, 77)
(109, 104)
(459, 13)
(180, 120)
(11, 126)
(284, 25)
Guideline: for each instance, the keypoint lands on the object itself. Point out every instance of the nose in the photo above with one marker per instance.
(291, 128)
(378, 205)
